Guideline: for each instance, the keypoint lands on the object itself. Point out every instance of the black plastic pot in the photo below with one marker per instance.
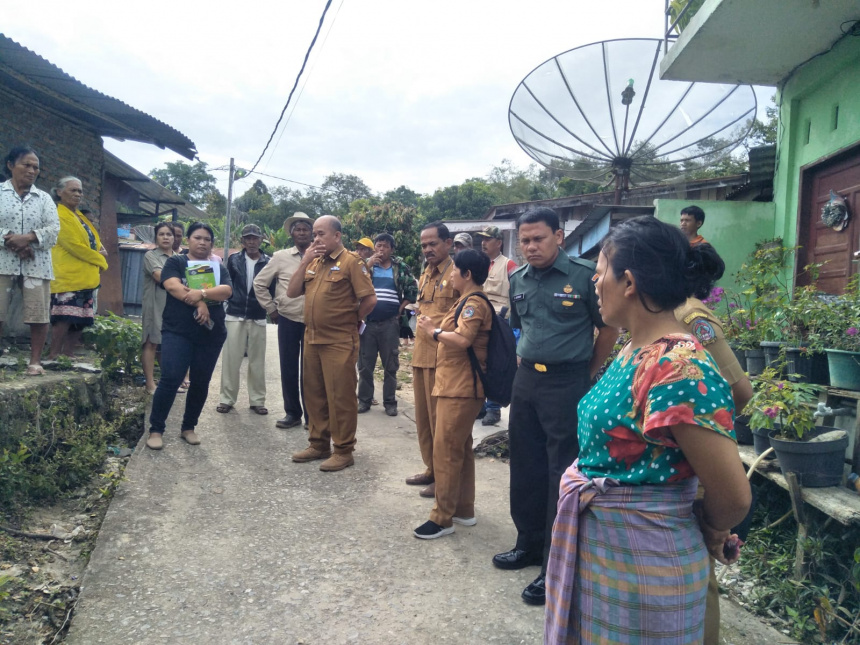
(816, 464)
(804, 367)
(771, 352)
(741, 356)
(742, 430)
(761, 441)
(755, 361)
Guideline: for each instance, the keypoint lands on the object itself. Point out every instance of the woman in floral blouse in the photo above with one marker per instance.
(629, 558)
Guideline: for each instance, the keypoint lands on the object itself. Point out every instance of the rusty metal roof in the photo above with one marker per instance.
(27, 74)
(154, 199)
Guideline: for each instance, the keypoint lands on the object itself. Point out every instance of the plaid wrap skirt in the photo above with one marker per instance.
(628, 564)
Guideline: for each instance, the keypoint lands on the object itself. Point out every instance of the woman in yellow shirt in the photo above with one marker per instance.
(78, 259)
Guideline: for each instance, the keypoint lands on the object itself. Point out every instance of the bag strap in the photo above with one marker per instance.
(473, 358)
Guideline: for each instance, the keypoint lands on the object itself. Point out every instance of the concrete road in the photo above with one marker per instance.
(231, 542)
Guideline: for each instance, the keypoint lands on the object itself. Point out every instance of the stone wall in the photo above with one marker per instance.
(64, 147)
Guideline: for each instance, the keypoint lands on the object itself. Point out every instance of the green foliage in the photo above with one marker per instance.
(366, 219)
(835, 321)
(677, 6)
(12, 471)
(193, 183)
(776, 400)
(117, 340)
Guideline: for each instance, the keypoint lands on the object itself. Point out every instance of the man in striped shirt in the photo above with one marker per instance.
(395, 288)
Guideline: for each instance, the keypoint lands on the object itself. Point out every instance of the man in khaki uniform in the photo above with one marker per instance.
(436, 295)
(338, 295)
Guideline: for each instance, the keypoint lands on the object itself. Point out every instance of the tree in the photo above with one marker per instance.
(368, 219)
(470, 200)
(256, 198)
(193, 183)
(339, 191)
(404, 195)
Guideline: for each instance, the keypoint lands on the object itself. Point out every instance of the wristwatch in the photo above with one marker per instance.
(203, 293)
(436, 333)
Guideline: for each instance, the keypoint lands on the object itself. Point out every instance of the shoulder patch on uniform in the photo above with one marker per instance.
(468, 311)
(364, 269)
(704, 330)
(690, 317)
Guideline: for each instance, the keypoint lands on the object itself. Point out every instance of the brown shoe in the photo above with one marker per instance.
(337, 461)
(421, 479)
(430, 491)
(190, 438)
(310, 454)
(154, 442)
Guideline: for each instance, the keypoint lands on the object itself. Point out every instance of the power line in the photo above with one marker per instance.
(304, 63)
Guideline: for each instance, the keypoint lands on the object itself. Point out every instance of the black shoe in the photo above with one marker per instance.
(535, 593)
(430, 531)
(518, 559)
(391, 410)
(492, 418)
(363, 407)
(481, 414)
(288, 421)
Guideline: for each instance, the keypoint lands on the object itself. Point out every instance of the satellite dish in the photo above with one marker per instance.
(584, 113)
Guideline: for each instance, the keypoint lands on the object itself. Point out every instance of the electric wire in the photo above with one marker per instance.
(298, 77)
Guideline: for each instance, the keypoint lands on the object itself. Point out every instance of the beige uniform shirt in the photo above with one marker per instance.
(436, 296)
(704, 325)
(281, 267)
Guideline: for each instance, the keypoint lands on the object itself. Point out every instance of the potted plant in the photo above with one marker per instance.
(787, 410)
(804, 314)
(837, 331)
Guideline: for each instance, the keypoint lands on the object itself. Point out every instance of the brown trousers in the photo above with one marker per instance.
(454, 459)
(329, 378)
(423, 379)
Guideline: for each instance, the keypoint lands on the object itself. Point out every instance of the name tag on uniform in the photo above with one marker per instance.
(519, 296)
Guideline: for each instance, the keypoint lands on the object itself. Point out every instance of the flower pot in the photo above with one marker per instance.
(816, 464)
(761, 441)
(755, 361)
(771, 352)
(805, 367)
(742, 430)
(844, 369)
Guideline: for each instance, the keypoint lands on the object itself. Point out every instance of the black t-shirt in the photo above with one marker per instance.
(179, 318)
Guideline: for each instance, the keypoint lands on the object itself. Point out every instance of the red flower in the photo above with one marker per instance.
(724, 418)
(685, 471)
(703, 389)
(625, 445)
(673, 416)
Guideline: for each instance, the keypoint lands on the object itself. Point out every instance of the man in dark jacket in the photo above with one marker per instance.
(246, 326)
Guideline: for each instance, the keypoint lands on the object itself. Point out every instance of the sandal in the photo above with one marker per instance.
(35, 370)
(183, 387)
(223, 408)
(260, 409)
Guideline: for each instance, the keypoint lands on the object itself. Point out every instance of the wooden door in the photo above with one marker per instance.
(820, 243)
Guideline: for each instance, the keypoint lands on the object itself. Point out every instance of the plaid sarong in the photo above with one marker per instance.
(628, 564)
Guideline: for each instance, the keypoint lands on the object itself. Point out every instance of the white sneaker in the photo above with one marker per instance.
(464, 521)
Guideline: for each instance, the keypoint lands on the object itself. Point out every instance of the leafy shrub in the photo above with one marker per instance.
(118, 342)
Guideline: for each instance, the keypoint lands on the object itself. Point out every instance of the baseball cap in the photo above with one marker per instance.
(252, 229)
(365, 242)
(463, 238)
(490, 231)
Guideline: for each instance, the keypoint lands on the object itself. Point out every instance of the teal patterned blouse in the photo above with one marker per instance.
(625, 420)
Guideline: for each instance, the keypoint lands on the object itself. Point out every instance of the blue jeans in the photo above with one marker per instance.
(178, 355)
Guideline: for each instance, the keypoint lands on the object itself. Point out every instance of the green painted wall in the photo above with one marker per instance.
(808, 101)
(732, 228)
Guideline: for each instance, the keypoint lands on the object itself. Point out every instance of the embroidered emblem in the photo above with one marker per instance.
(540, 367)
(444, 283)
(468, 312)
(704, 331)
(338, 264)
(364, 270)
(691, 317)
(567, 289)
(567, 303)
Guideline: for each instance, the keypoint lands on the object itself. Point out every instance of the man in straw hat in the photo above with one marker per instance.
(288, 313)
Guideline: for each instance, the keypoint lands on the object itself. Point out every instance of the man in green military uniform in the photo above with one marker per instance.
(554, 302)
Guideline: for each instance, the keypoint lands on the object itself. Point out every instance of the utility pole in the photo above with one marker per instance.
(229, 208)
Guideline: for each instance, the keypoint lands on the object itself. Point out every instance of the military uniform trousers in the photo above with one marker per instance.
(241, 336)
(380, 338)
(543, 444)
(454, 459)
(328, 373)
(423, 380)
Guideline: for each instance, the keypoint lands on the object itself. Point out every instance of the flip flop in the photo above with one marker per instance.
(223, 408)
(183, 387)
(35, 370)
(260, 409)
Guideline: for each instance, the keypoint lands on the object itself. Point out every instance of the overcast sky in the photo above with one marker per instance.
(396, 91)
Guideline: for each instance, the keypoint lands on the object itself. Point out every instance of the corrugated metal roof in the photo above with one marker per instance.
(26, 73)
(153, 196)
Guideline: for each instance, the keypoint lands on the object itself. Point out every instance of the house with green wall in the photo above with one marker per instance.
(810, 52)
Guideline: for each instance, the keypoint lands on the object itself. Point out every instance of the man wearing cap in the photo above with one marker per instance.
(497, 287)
(246, 326)
(436, 296)
(555, 304)
(462, 241)
(338, 297)
(364, 248)
(288, 313)
(395, 288)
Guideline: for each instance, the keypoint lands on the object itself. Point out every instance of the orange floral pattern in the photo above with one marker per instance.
(626, 420)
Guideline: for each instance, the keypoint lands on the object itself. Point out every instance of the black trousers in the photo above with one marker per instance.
(543, 443)
(290, 343)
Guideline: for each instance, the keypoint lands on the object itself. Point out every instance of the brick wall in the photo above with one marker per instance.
(64, 148)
